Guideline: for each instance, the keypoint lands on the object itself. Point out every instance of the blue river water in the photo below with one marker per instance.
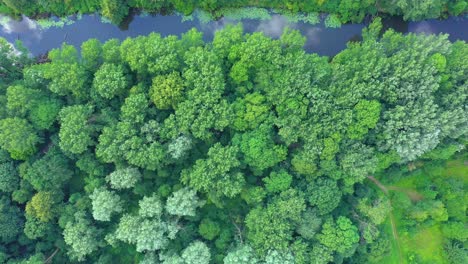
(320, 39)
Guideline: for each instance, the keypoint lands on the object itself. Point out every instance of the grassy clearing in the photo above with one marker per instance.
(427, 242)
(457, 169)
(424, 241)
(394, 256)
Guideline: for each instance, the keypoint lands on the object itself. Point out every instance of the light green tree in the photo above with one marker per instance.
(183, 202)
(216, 175)
(167, 90)
(278, 181)
(110, 80)
(197, 253)
(18, 137)
(91, 54)
(150, 207)
(82, 236)
(75, 129)
(340, 235)
(124, 178)
(259, 149)
(105, 203)
(115, 10)
(241, 255)
(275, 257)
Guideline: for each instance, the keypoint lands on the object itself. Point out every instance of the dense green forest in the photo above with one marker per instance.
(242, 150)
(343, 10)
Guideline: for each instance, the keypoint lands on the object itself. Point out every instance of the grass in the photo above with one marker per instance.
(426, 241)
(457, 169)
(394, 256)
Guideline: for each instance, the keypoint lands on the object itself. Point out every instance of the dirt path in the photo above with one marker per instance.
(392, 217)
(379, 184)
(412, 194)
(395, 235)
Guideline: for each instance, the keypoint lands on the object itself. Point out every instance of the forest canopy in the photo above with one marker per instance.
(245, 149)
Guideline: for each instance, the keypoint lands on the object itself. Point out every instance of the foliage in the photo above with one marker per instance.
(183, 202)
(321, 254)
(17, 136)
(115, 10)
(278, 181)
(340, 235)
(271, 227)
(244, 13)
(166, 90)
(48, 173)
(259, 149)
(207, 10)
(150, 207)
(9, 178)
(325, 194)
(241, 254)
(11, 221)
(74, 130)
(245, 149)
(124, 178)
(216, 174)
(110, 80)
(208, 229)
(91, 54)
(147, 234)
(105, 203)
(275, 257)
(11, 64)
(179, 147)
(367, 114)
(332, 21)
(81, 235)
(197, 253)
(249, 111)
(41, 206)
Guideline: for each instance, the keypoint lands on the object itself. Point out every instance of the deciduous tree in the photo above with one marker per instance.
(75, 129)
(105, 203)
(124, 178)
(82, 236)
(340, 235)
(183, 202)
(18, 137)
(110, 80)
(217, 174)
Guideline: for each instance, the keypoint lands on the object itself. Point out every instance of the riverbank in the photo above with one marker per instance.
(39, 37)
(342, 11)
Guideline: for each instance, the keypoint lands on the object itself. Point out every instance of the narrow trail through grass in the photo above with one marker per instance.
(412, 194)
(392, 217)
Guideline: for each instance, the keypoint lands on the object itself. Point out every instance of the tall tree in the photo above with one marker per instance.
(114, 10)
(75, 130)
(82, 236)
(339, 235)
(110, 80)
(105, 203)
(18, 137)
(216, 175)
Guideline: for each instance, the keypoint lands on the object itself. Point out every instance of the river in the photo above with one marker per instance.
(320, 39)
